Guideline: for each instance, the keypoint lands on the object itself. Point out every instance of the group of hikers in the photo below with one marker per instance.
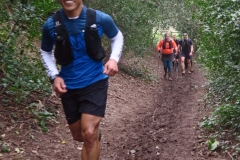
(170, 50)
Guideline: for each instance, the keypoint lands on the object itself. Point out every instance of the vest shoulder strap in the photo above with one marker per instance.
(59, 23)
(63, 50)
(90, 17)
(60, 29)
(188, 41)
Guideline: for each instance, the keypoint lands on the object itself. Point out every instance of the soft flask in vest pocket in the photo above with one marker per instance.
(93, 43)
(92, 40)
(63, 51)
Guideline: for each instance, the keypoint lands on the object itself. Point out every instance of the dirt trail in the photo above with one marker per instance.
(157, 121)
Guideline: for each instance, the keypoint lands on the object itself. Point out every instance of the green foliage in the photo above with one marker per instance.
(218, 22)
(219, 47)
(208, 122)
(5, 148)
(212, 144)
(42, 115)
(227, 116)
(22, 70)
(224, 117)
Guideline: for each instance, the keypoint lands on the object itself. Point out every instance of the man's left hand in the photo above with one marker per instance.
(190, 54)
(111, 68)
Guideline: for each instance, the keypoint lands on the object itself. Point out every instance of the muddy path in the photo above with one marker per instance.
(144, 121)
(158, 121)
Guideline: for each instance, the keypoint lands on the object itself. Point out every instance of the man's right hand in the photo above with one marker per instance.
(59, 86)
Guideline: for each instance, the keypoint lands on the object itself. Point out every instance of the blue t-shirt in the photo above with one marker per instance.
(83, 71)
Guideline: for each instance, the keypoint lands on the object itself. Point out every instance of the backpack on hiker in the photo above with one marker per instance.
(164, 44)
(63, 49)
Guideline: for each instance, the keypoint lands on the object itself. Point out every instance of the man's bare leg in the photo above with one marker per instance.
(91, 146)
(189, 65)
(87, 134)
(182, 64)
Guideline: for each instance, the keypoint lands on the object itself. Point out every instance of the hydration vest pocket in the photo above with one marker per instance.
(63, 51)
(93, 43)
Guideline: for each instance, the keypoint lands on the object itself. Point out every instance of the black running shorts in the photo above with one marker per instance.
(90, 100)
(186, 55)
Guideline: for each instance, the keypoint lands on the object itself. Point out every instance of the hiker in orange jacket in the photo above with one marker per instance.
(165, 47)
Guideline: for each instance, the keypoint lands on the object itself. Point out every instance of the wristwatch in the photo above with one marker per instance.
(52, 78)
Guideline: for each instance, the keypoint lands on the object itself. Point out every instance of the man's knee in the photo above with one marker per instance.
(90, 135)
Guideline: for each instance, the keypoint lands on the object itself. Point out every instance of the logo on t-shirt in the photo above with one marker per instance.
(57, 24)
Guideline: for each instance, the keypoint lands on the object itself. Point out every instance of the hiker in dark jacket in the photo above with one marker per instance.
(82, 83)
(186, 48)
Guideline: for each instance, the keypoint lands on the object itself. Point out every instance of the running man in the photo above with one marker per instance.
(82, 83)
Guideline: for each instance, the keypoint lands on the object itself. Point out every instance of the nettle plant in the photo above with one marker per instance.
(21, 69)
